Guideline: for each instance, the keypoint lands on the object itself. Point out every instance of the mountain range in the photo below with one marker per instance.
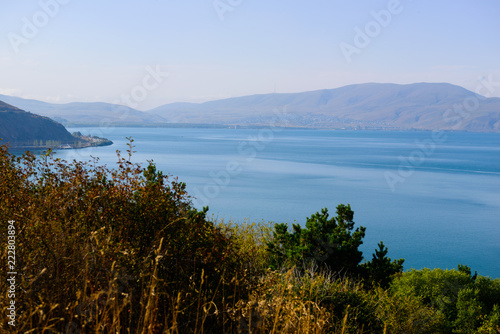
(84, 113)
(421, 106)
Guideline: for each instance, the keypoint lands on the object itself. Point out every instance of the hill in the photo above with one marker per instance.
(424, 106)
(21, 128)
(384, 106)
(84, 113)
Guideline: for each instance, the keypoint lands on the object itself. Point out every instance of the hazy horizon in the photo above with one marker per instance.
(62, 51)
(489, 93)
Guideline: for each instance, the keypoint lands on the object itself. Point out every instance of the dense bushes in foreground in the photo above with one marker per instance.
(122, 250)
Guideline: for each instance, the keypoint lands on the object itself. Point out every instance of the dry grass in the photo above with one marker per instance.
(122, 251)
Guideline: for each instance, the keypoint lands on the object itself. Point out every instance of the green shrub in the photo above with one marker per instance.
(331, 243)
(407, 313)
(467, 302)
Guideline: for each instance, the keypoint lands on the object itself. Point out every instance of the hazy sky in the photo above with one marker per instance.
(89, 50)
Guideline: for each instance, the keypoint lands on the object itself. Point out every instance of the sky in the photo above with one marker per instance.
(152, 52)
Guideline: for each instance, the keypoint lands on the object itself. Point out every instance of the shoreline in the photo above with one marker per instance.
(81, 141)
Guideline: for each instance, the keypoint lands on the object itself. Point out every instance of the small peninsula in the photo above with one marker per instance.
(22, 129)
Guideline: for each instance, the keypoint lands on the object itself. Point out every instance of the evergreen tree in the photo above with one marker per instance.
(381, 269)
(331, 243)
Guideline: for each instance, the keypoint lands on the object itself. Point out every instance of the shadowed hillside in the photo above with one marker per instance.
(21, 128)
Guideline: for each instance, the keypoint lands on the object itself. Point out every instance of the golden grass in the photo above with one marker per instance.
(290, 301)
(122, 251)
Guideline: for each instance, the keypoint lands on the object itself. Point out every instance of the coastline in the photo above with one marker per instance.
(81, 141)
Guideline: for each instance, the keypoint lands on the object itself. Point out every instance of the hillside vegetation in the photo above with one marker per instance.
(21, 128)
(122, 250)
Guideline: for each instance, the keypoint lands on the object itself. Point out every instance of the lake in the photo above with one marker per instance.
(432, 197)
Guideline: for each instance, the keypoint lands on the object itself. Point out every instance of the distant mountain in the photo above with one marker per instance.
(20, 128)
(84, 113)
(422, 106)
(364, 106)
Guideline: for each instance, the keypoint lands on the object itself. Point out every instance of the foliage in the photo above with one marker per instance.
(467, 302)
(122, 250)
(407, 313)
(332, 244)
(381, 269)
(311, 301)
(248, 241)
(128, 236)
(329, 242)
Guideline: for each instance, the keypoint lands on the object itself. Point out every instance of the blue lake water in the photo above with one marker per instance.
(433, 198)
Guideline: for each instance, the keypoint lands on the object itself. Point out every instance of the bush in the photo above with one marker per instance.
(122, 250)
(330, 243)
(467, 302)
(124, 247)
(407, 313)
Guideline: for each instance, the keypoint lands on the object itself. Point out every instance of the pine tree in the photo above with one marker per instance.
(331, 243)
(381, 268)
